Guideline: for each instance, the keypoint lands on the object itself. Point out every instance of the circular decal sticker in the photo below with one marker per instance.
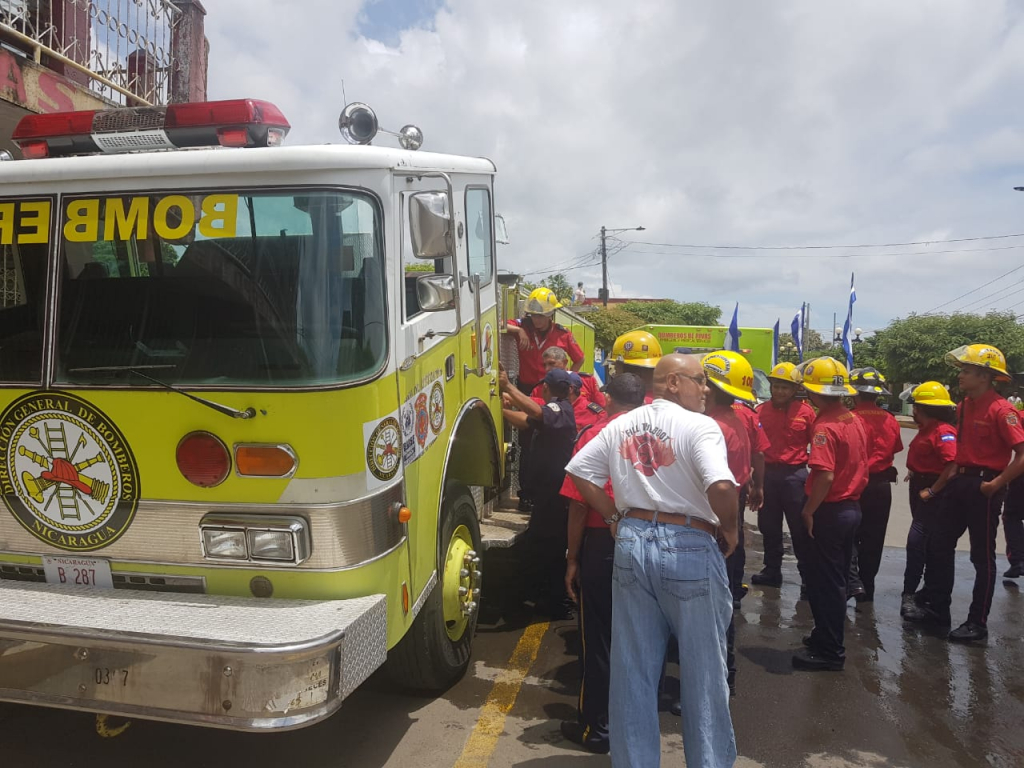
(422, 419)
(67, 472)
(384, 449)
(436, 407)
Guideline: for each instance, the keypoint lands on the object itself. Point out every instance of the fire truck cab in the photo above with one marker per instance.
(245, 440)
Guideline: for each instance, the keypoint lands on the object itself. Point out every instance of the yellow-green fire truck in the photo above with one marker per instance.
(244, 453)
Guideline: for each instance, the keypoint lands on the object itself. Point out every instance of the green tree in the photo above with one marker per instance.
(611, 323)
(911, 349)
(559, 285)
(674, 313)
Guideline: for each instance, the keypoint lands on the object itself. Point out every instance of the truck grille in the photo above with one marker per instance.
(140, 582)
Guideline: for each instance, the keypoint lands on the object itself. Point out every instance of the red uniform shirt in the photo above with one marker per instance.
(758, 439)
(839, 445)
(585, 414)
(883, 434)
(531, 362)
(932, 448)
(591, 389)
(989, 429)
(788, 431)
(737, 441)
(569, 489)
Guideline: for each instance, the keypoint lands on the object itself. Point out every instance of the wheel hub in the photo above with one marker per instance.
(461, 583)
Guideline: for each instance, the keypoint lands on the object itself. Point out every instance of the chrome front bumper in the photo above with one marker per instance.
(228, 662)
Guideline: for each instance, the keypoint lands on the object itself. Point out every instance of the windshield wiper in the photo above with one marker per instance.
(227, 410)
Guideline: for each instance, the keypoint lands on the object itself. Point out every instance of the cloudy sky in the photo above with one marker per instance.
(709, 123)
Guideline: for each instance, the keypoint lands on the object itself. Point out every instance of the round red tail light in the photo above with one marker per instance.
(203, 459)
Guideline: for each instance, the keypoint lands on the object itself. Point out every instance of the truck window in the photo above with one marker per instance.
(479, 237)
(228, 289)
(22, 306)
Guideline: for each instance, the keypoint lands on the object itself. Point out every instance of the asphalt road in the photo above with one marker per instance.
(906, 698)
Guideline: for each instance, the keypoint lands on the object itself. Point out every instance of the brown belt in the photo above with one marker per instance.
(673, 518)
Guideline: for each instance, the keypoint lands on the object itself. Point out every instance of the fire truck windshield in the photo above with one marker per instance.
(222, 289)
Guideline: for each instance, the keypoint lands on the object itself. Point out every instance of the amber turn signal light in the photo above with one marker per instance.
(265, 460)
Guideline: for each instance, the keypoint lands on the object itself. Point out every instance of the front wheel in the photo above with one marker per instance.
(435, 651)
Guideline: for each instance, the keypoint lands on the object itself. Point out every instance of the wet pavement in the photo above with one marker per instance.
(906, 698)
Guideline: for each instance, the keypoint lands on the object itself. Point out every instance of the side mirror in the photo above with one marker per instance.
(500, 230)
(430, 225)
(436, 293)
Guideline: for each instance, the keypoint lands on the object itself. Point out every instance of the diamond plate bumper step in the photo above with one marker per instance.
(229, 662)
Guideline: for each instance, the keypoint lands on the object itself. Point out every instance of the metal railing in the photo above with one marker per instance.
(125, 51)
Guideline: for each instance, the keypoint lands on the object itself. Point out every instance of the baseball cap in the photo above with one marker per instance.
(575, 381)
(557, 376)
(626, 388)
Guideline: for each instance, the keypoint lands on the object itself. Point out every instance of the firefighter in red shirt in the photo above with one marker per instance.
(989, 433)
(730, 378)
(588, 581)
(838, 463)
(557, 357)
(884, 442)
(637, 352)
(754, 492)
(536, 332)
(931, 451)
(786, 422)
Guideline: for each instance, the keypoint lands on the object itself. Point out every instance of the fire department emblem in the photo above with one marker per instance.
(422, 419)
(67, 472)
(648, 452)
(488, 347)
(384, 449)
(436, 407)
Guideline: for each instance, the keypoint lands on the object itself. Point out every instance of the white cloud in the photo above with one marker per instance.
(733, 123)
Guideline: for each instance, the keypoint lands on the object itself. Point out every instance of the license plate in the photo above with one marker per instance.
(78, 572)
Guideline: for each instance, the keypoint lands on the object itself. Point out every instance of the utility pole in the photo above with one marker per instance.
(603, 293)
(604, 270)
(806, 329)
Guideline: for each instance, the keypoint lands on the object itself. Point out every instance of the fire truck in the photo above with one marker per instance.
(245, 450)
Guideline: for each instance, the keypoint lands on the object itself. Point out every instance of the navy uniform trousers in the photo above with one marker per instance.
(827, 566)
(597, 556)
(966, 509)
(783, 498)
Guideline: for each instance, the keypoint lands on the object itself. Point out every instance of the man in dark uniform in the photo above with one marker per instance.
(553, 433)
(786, 422)
(588, 579)
(838, 463)
(989, 432)
(1013, 528)
(884, 442)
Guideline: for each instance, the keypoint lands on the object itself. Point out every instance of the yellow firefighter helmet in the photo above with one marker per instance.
(981, 356)
(637, 348)
(932, 393)
(825, 376)
(542, 301)
(731, 373)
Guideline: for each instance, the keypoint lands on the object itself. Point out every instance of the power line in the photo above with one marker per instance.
(899, 254)
(973, 305)
(973, 290)
(825, 247)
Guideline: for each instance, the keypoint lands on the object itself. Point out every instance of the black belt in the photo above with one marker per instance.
(790, 467)
(983, 472)
(890, 475)
(924, 477)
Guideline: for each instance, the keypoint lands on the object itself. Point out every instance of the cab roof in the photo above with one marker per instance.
(185, 162)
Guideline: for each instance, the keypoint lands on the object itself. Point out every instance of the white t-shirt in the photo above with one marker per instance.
(660, 457)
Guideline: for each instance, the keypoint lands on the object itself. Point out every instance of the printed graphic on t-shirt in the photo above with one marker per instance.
(820, 438)
(1011, 419)
(648, 452)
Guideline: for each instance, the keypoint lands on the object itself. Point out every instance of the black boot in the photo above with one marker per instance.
(768, 577)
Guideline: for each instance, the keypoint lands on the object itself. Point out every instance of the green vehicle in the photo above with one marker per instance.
(756, 344)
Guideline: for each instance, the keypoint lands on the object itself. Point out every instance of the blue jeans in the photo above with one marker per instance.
(669, 579)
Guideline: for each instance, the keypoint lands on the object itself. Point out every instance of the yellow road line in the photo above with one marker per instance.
(491, 723)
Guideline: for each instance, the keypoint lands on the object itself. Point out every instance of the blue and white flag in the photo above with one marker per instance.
(775, 344)
(847, 345)
(732, 337)
(797, 331)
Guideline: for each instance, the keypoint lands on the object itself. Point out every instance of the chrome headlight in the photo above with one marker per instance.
(256, 538)
(224, 543)
(272, 545)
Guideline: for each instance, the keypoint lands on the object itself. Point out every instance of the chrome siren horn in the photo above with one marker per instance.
(358, 123)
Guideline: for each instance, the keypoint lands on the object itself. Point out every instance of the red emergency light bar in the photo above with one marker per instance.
(234, 123)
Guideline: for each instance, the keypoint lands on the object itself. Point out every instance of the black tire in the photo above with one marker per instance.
(427, 659)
